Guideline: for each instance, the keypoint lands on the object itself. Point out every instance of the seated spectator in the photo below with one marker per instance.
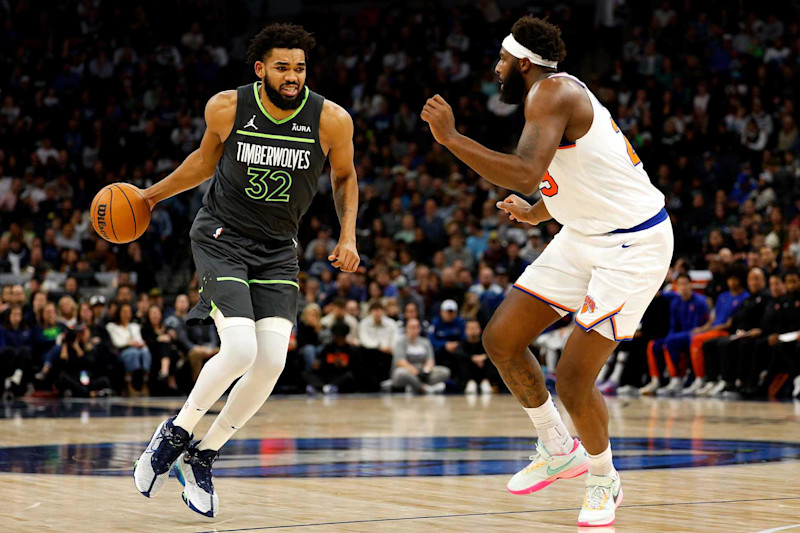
(415, 367)
(75, 368)
(769, 359)
(720, 355)
(126, 337)
(198, 343)
(474, 366)
(377, 331)
(162, 348)
(309, 328)
(331, 372)
(67, 311)
(377, 335)
(47, 338)
(688, 311)
(339, 314)
(448, 332)
(16, 348)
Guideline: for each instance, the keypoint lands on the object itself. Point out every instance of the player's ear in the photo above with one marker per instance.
(260, 68)
(524, 65)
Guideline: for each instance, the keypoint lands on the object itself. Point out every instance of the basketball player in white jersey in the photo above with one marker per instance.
(605, 265)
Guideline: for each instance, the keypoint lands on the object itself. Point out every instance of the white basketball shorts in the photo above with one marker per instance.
(606, 280)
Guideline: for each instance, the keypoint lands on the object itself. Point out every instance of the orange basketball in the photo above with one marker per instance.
(120, 213)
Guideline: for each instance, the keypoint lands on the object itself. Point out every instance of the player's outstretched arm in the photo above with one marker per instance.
(200, 164)
(336, 131)
(546, 114)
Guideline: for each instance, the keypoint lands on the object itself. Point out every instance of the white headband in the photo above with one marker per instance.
(517, 50)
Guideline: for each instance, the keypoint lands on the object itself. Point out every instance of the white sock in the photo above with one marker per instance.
(550, 427)
(700, 382)
(616, 375)
(189, 415)
(218, 434)
(601, 464)
(674, 382)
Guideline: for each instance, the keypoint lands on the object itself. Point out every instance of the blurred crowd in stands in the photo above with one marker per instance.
(94, 91)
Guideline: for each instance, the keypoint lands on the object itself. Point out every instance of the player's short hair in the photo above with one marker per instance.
(540, 37)
(279, 36)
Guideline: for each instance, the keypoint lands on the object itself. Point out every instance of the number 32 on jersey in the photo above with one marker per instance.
(268, 185)
(549, 187)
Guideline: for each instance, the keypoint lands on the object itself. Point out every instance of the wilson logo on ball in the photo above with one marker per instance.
(101, 220)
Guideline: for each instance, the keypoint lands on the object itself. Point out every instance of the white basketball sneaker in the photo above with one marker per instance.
(193, 469)
(545, 469)
(151, 470)
(603, 496)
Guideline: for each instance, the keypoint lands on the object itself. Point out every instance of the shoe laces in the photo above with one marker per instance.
(174, 441)
(539, 458)
(597, 496)
(201, 462)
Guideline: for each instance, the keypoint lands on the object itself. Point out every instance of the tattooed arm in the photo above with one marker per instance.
(547, 111)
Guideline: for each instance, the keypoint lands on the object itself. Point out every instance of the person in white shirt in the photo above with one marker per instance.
(377, 331)
(126, 336)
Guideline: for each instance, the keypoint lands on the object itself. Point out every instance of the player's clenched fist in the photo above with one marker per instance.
(439, 116)
(345, 257)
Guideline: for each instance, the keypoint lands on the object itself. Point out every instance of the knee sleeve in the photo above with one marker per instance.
(238, 347)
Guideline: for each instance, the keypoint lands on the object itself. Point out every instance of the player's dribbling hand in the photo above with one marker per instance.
(439, 116)
(345, 257)
(517, 208)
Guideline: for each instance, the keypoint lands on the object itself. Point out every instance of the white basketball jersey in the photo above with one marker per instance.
(597, 184)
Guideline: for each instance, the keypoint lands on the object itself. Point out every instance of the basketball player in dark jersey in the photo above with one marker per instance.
(265, 146)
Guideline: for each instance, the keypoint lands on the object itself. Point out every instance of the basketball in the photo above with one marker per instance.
(120, 213)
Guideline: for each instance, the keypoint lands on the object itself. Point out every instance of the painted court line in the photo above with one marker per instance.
(501, 513)
(784, 528)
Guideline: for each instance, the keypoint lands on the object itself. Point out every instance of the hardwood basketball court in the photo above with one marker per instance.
(398, 463)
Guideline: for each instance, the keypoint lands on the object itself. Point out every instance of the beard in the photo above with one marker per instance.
(513, 89)
(280, 101)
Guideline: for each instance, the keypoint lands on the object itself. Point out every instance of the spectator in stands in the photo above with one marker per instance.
(16, 353)
(126, 337)
(376, 331)
(415, 368)
(75, 368)
(331, 372)
(162, 349)
(339, 314)
(720, 355)
(474, 367)
(309, 328)
(448, 332)
(198, 343)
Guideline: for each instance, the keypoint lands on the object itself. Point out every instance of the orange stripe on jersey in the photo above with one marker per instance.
(604, 317)
(614, 331)
(542, 298)
(565, 146)
(614, 125)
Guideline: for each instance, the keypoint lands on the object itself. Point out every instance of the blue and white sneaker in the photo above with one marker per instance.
(193, 469)
(151, 470)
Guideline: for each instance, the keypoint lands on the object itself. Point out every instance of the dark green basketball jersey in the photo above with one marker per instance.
(269, 169)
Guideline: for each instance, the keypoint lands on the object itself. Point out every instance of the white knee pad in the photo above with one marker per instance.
(276, 324)
(222, 322)
(238, 344)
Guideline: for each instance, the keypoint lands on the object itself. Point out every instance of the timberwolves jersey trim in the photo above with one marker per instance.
(268, 173)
